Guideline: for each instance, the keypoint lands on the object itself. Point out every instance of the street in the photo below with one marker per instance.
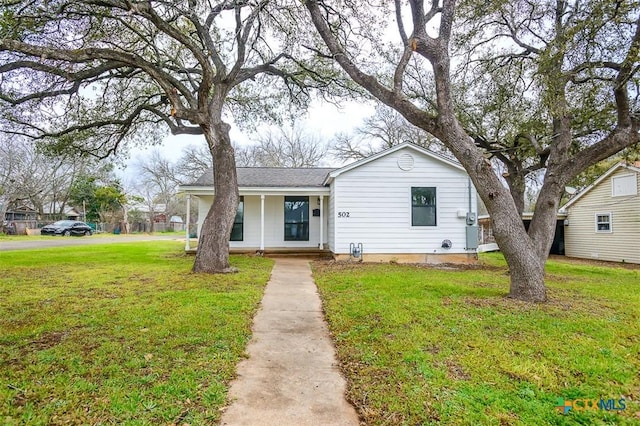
(6, 245)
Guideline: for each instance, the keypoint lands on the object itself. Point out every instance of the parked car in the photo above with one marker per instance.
(66, 228)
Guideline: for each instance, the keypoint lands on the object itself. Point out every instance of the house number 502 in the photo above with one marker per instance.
(343, 214)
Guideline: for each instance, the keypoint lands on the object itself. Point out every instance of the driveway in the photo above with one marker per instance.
(6, 245)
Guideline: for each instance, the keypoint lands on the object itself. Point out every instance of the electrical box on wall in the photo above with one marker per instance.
(472, 237)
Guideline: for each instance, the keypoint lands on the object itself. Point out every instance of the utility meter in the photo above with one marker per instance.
(471, 218)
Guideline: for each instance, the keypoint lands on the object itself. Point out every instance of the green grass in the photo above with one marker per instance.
(120, 334)
(421, 345)
(5, 237)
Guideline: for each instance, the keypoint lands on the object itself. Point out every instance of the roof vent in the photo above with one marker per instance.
(405, 162)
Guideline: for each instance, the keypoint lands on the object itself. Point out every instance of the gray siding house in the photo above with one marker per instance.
(405, 204)
(603, 221)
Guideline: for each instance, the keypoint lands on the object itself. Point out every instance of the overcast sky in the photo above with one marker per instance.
(322, 118)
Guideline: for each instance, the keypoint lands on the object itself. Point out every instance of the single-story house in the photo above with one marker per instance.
(21, 213)
(603, 220)
(56, 211)
(405, 204)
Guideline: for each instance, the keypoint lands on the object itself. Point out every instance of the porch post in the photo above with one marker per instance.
(321, 245)
(186, 245)
(262, 223)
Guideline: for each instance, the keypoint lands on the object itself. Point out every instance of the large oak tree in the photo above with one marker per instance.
(94, 75)
(580, 63)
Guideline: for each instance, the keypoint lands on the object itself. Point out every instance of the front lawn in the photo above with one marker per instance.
(120, 334)
(420, 345)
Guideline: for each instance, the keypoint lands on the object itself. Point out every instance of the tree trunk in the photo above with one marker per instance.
(517, 188)
(213, 241)
(526, 263)
(526, 270)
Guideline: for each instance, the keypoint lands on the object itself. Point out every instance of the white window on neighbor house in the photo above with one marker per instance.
(603, 222)
(624, 185)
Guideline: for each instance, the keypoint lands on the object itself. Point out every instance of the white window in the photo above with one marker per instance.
(603, 222)
(624, 185)
(423, 206)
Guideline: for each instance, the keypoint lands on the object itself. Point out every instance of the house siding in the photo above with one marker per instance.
(620, 245)
(204, 204)
(377, 198)
(331, 239)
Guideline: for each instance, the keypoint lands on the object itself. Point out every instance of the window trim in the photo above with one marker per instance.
(596, 223)
(284, 213)
(411, 206)
(241, 223)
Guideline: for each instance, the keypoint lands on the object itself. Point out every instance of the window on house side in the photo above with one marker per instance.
(296, 218)
(237, 232)
(603, 222)
(423, 206)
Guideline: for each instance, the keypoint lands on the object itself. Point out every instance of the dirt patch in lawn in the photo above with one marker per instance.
(335, 265)
(48, 340)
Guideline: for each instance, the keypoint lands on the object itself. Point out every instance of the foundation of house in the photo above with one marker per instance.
(313, 253)
(431, 259)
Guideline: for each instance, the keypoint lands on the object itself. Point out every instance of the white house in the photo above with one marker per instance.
(603, 221)
(405, 204)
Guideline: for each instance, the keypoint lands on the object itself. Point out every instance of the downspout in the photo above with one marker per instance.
(469, 192)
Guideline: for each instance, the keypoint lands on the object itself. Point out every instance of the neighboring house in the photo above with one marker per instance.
(405, 204)
(20, 219)
(488, 242)
(55, 211)
(176, 223)
(603, 221)
(145, 218)
(21, 213)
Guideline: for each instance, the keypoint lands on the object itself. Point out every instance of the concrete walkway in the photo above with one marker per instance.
(290, 377)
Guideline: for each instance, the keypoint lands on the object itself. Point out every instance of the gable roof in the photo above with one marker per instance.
(600, 179)
(54, 208)
(335, 173)
(272, 177)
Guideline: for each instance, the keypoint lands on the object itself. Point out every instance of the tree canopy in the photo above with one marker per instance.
(100, 200)
(31, 177)
(549, 85)
(95, 75)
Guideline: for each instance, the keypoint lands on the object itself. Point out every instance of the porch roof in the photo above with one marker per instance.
(269, 178)
(273, 177)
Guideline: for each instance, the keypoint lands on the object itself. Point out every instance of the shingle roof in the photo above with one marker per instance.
(273, 177)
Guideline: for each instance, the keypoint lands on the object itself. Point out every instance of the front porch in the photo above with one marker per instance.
(273, 223)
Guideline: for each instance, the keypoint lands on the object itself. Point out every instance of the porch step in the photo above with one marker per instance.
(312, 254)
(298, 253)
